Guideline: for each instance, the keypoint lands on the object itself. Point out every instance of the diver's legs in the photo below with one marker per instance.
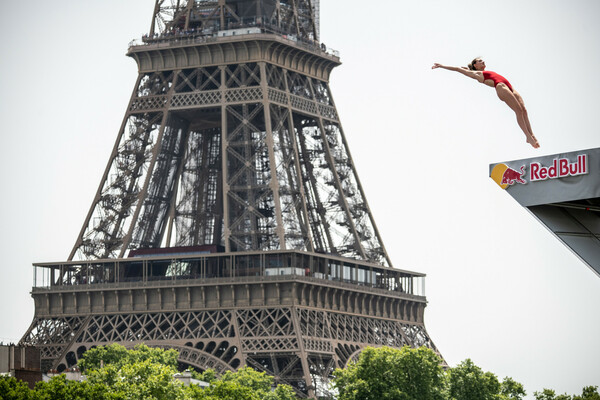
(525, 115)
(507, 96)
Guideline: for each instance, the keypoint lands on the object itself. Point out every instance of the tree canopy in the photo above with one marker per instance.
(244, 384)
(117, 356)
(115, 373)
(13, 389)
(467, 381)
(511, 389)
(416, 374)
(386, 374)
(588, 393)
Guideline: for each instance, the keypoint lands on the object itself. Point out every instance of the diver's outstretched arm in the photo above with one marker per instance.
(477, 75)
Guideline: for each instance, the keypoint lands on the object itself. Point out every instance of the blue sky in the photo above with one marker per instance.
(501, 290)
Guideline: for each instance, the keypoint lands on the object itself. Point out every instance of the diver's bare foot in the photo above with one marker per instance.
(533, 141)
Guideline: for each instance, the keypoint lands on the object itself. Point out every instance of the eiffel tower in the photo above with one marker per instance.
(230, 223)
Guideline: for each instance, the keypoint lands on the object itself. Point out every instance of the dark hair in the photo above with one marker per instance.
(472, 65)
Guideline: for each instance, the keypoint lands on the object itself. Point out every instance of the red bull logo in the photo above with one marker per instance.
(561, 167)
(505, 176)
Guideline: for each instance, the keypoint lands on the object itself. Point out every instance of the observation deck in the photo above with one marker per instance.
(195, 300)
(250, 41)
(188, 267)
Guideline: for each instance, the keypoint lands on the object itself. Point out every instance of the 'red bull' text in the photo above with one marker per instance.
(561, 167)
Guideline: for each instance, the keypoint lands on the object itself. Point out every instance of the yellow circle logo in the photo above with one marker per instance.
(505, 176)
(498, 173)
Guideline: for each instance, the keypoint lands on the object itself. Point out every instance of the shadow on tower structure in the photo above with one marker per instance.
(230, 223)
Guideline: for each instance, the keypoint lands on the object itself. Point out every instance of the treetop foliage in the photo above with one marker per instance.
(144, 373)
(386, 373)
(117, 355)
(114, 373)
(416, 374)
(588, 393)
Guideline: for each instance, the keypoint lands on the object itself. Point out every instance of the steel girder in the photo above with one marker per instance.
(250, 156)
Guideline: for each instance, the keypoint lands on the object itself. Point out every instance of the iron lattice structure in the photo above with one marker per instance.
(230, 222)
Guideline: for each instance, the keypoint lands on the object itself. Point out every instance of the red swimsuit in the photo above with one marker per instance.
(496, 78)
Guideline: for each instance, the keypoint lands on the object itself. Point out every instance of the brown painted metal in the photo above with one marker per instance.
(294, 315)
(231, 140)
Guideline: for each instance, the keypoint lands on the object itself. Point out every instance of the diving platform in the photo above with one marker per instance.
(562, 191)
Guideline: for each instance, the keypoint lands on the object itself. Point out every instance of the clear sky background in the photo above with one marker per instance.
(501, 289)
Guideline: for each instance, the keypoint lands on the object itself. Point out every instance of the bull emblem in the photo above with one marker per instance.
(511, 175)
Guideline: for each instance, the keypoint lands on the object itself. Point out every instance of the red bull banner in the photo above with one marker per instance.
(553, 178)
(561, 167)
(505, 176)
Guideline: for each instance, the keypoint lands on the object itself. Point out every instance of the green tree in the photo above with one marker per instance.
(511, 389)
(229, 391)
(59, 388)
(467, 381)
(385, 374)
(259, 382)
(207, 376)
(588, 393)
(281, 392)
(145, 374)
(244, 384)
(13, 389)
(549, 394)
(118, 355)
(145, 379)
